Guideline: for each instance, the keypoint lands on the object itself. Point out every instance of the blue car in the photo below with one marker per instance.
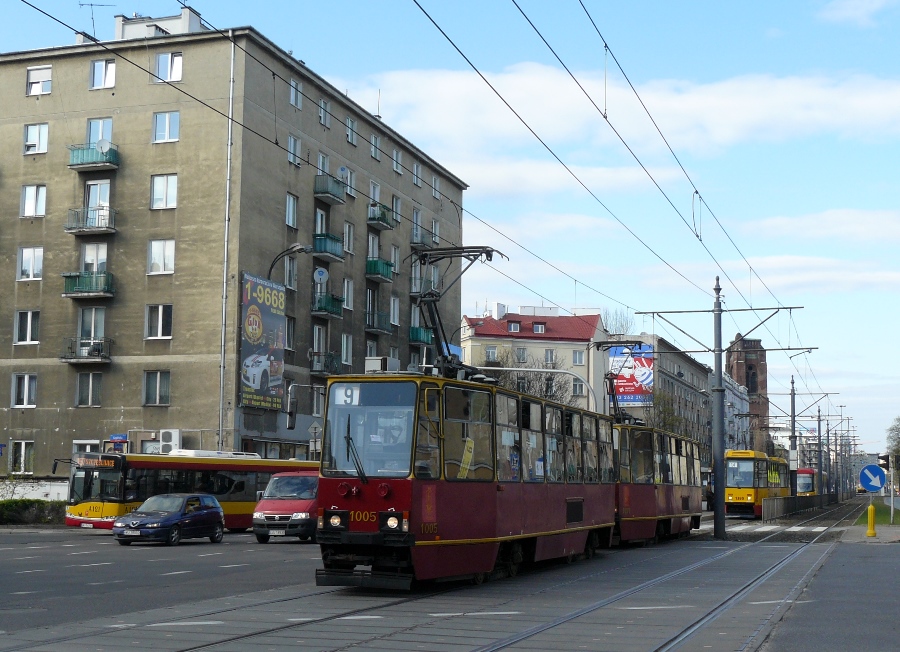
(169, 518)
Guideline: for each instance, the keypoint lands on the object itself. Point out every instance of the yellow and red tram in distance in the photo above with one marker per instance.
(750, 477)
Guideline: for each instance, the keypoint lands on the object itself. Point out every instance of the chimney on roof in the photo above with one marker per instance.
(499, 310)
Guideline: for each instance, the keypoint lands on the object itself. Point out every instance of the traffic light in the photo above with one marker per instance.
(293, 399)
(884, 461)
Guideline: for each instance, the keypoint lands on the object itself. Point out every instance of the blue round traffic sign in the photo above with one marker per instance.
(872, 477)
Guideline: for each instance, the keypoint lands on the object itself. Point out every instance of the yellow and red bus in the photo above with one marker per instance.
(104, 486)
(750, 477)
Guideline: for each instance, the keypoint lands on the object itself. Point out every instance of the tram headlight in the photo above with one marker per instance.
(335, 521)
(392, 522)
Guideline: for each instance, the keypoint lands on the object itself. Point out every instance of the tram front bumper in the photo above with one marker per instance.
(367, 579)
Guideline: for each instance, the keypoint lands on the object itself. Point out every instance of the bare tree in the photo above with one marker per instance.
(12, 485)
(553, 386)
(893, 437)
(662, 414)
(619, 320)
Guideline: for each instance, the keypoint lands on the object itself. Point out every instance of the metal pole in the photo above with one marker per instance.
(792, 462)
(820, 489)
(718, 434)
(828, 448)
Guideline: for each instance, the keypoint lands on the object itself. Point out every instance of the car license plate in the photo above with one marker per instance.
(132, 533)
(87, 525)
(276, 533)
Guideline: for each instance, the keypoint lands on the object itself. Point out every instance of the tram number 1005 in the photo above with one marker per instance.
(363, 517)
(429, 528)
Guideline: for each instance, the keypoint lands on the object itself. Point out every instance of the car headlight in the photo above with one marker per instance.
(298, 516)
(153, 525)
(259, 515)
(118, 524)
(392, 522)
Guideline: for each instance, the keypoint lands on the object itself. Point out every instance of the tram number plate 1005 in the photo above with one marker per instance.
(347, 395)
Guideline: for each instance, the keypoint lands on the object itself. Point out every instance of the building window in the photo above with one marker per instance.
(346, 348)
(348, 237)
(290, 328)
(103, 74)
(521, 354)
(375, 147)
(296, 94)
(156, 387)
(24, 390)
(31, 263)
(290, 211)
(168, 67)
(89, 389)
(435, 231)
(397, 164)
(395, 207)
(417, 174)
(166, 126)
(37, 80)
(415, 317)
(318, 400)
(395, 259)
(36, 138)
(159, 322)
(34, 201)
(490, 354)
(323, 165)
(394, 352)
(293, 148)
(27, 327)
(577, 387)
(414, 359)
(371, 348)
(521, 385)
(395, 310)
(161, 257)
(348, 293)
(351, 131)
(513, 326)
(290, 273)
(325, 113)
(163, 191)
(351, 183)
(538, 328)
(435, 187)
(22, 457)
(578, 358)
(549, 356)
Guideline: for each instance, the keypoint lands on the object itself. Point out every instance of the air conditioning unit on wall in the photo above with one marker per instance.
(169, 440)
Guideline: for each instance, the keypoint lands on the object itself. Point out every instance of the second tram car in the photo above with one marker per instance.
(750, 477)
(807, 482)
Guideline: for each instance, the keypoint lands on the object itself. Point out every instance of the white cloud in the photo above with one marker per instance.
(859, 12)
(835, 224)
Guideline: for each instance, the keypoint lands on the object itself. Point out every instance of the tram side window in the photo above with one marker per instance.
(589, 444)
(682, 461)
(554, 448)
(428, 450)
(532, 443)
(642, 456)
(663, 467)
(625, 474)
(762, 473)
(689, 462)
(508, 456)
(574, 462)
(467, 435)
(606, 465)
(696, 465)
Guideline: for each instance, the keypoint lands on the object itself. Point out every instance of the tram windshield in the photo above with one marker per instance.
(805, 483)
(95, 484)
(739, 474)
(369, 429)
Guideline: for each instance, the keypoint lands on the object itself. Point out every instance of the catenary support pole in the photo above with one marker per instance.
(718, 433)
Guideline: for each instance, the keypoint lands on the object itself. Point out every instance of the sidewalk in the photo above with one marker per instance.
(883, 534)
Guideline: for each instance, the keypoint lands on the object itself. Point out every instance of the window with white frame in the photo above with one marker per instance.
(490, 353)
(435, 231)
(351, 182)
(36, 138)
(321, 222)
(397, 161)
(374, 194)
(290, 210)
(163, 191)
(351, 131)
(93, 257)
(34, 201)
(325, 113)
(414, 359)
(394, 352)
(549, 356)
(27, 327)
(156, 387)
(417, 173)
(346, 348)
(161, 257)
(22, 457)
(375, 146)
(103, 73)
(296, 94)
(396, 207)
(293, 148)
(577, 387)
(513, 326)
(371, 348)
(24, 390)
(318, 400)
(38, 80)
(159, 322)
(578, 357)
(88, 394)
(166, 126)
(348, 237)
(290, 273)
(395, 310)
(538, 327)
(168, 67)
(521, 354)
(30, 264)
(348, 293)
(290, 328)
(322, 163)
(415, 317)
(395, 259)
(435, 187)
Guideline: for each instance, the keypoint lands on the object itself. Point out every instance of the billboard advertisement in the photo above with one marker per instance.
(262, 343)
(632, 367)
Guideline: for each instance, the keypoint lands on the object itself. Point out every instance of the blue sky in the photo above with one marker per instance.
(785, 116)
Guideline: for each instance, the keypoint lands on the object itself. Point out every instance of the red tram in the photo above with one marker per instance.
(425, 477)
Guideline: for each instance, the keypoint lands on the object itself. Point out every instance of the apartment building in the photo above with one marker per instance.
(136, 214)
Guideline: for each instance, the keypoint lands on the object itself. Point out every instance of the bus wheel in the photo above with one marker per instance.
(262, 538)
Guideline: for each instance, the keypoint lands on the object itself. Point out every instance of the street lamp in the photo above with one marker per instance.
(295, 248)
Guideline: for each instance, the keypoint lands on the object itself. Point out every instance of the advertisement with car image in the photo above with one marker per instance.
(262, 343)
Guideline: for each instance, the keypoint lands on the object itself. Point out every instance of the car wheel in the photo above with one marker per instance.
(123, 542)
(174, 537)
(218, 532)
(262, 538)
(264, 381)
(303, 538)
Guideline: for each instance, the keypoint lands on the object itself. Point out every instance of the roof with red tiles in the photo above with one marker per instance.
(580, 328)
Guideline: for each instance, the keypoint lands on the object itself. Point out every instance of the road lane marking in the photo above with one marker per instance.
(102, 583)
(739, 528)
(360, 617)
(102, 563)
(234, 565)
(211, 554)
(40, 570)
(21, 558)
(766, 528)
(176, 573)
(797, 528)
(84, 552)
(680, 606)
(820, 528)
(189, 624)
(492, 613)
(24, 592)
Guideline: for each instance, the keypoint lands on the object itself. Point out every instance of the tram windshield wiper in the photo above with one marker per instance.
(354, 454)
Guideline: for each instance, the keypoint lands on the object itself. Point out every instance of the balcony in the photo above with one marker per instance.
(420, 335)
(88, 285)
(380, 216)
(420, 239)
(80, 350)
(329, 190)
(323, 364)
(328, 247)
(379, 323)
(419, 286)
(327, 305)
(91, 220)
(86, 158)
(380, 270)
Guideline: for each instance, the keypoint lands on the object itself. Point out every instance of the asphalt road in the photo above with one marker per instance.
(56, 576)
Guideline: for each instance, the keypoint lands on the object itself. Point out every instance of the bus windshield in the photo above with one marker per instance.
(95, 484)
(804, 483)
(369, 429)
(739, 474)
